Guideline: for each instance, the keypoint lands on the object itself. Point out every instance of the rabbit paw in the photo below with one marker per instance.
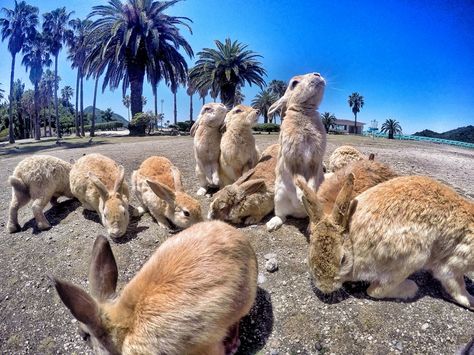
(201, 192)
(273, 224)
(252, 220)
(138, 211)
(13, 227)
(43, 225)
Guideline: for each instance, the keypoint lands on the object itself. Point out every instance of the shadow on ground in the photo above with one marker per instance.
(257, 326)
(428, 286)
(30, 148)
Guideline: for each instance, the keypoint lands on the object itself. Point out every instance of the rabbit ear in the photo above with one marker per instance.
(194, 128)
(340, 211)
(178, 184)
(253, 186)
(280, 105)
(372, 156)
(120, 178)
(310, 201)
(104, 193)
(103, 272)
(162, 191)
(245, 177)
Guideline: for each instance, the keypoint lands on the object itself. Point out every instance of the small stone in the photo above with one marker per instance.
(270, 256)
(425, 326)
(399, 346)
(261, 278)
(318, 346)
(274, 352)
(271, 265)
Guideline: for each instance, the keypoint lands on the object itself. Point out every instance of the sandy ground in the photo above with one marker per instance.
(290, 316)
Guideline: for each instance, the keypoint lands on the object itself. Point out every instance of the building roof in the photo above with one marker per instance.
(348, 122)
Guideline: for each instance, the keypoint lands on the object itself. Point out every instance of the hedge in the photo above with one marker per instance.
(105, 126)
(267, 127)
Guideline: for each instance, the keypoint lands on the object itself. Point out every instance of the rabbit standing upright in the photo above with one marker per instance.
(302, 145)
(389, 232)
(207, 140)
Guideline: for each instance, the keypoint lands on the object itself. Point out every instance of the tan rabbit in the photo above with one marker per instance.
(367, 173)
(41, 179)
(238, 151)
(187, 299)
(98, 182)
(389, 232)
(250, 198)
(302, 141)
(157, 185)
(343, 156)
(207, 139)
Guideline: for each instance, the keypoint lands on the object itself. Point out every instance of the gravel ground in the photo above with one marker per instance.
(290, 316)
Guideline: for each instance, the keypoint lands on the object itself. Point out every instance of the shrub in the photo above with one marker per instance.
(184, 126)
(139, 123)
(267, 127)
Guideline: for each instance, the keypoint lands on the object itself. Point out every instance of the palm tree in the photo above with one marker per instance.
(1, 93)
(392, 127)
(77, 41)
(277, 87)
(139, 38)
(202, 94)
(356, 102)
(18, 91)
(17, 25)
(126, 103)
(35, 57)
(108, 115)
(55, 29)
(47, 83)
(66, 94)
(174, 90)
(239, 96)
(328, 120)
(190, 90)
(262, 102)
(222, 70)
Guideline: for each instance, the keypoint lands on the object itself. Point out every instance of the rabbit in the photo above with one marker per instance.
(157, 185)
(389, 232)
(42, 179)
(98, 183)
(207, 139)
(238, 151)
(342, 156)
(250, 198)
(367, 173)
(302, 145)
(188, 298)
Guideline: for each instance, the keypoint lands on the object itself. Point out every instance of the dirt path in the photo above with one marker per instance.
(290, 317)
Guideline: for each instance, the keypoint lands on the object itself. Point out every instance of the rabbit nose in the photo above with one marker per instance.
(258, 112)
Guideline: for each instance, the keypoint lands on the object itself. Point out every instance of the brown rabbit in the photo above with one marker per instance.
(187, 299)
(389, 232)
(302, 141)
(238, 151)
(367, 173)
(250, 198)
(207, 139)
(157, 185)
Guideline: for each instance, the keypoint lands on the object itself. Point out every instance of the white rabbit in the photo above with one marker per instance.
(302, 142)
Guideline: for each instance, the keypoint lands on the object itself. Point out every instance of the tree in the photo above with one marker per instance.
(139, 38)
(54, 27)
(17, 25)
(126, 103)
(328, 120)
(391, 127)
(262, 102)
(239, 96)
(1, 93)
(35, 57)
(79, 47)
(46, 85)
(66, 94)
(224, 69)
(18, 91)
(277, 87)
(190, 90)
(108, 115)
(356, 102)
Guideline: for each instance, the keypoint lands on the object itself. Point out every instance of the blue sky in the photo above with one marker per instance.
(412, 60)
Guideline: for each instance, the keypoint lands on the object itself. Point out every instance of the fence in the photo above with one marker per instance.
(421, 139)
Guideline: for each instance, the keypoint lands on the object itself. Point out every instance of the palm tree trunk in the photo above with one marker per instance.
(175, 111)
(21, 121)
(44, 121)
(191, 108)
(136, 74)
(11, 132)
(265, 118)
(203, 100)
(82, 106)
(49, 119)
(92, 133)
(355, 122)
(76, 116)
(58, 127)
(37, 118)
(155, 101)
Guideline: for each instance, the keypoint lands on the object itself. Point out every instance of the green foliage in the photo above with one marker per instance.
(183, 126)
(263, 101)
(267, 127)
(391, 127)
(139, 123)
(328, 120)
(107, 115)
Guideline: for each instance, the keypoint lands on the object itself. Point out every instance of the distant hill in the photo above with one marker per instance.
(98, 115)
(461, 134)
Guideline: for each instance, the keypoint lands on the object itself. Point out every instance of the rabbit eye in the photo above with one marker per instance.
(238, 111)
(343, 259)
(294, 83)
(186, 213)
